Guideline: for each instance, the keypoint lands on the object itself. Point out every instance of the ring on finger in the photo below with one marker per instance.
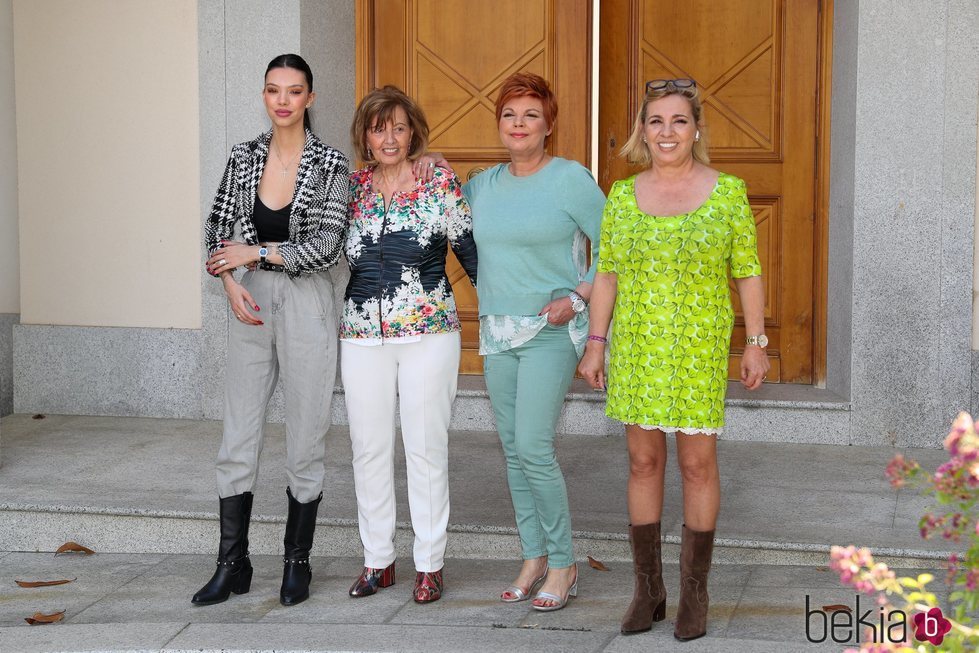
(222, 262)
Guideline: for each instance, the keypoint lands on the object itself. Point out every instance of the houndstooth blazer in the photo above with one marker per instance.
(318, 219)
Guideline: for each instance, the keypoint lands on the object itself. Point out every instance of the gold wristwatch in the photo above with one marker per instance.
(758, 341)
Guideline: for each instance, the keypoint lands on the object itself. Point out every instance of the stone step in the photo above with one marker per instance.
(37, 528)
(147, 485)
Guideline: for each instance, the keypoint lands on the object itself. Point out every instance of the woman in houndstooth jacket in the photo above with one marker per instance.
(284, 194)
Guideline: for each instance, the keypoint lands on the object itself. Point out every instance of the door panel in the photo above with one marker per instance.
(452, 56)
(755, 62)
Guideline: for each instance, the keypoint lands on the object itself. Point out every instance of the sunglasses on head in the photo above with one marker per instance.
(679, 84)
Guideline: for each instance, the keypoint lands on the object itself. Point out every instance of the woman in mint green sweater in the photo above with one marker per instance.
(531, 219)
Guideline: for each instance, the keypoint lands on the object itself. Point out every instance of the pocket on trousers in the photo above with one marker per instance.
(320, 287)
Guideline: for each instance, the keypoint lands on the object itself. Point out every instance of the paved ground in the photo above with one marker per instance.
(142, 602)
(140, 492)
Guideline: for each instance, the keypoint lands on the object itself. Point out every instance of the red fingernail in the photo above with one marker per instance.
(257, 308)
(260, 323)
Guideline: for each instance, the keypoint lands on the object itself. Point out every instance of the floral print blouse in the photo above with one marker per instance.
(398, 287)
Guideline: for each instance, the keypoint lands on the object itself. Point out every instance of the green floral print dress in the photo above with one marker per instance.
(673, 317)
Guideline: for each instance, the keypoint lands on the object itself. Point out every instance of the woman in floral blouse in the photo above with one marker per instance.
(400, 334)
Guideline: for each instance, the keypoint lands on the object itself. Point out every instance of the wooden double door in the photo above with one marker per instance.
(756, 63)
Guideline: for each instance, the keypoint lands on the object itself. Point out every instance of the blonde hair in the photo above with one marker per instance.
(378, 107)
(635, 150)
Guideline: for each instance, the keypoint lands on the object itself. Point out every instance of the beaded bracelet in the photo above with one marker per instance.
(598, 339)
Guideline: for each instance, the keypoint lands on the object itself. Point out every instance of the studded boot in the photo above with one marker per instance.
(234, 570)
(298, 541)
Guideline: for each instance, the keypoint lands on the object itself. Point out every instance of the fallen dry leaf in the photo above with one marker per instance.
(41, 618)
(38, 416)
(596, 564)
(73, 547)
(836, 608)
(43, 583)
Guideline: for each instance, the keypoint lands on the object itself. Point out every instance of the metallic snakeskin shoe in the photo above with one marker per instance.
(370, 580)
(428, 586)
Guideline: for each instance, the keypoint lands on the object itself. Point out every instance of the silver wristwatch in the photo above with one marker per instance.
(577, 302)
(262, 253)
(758, 341)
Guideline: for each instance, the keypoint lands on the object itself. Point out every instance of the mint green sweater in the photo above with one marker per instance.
(525, 229)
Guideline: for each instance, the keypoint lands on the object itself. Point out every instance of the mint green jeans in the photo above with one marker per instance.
(527, 386)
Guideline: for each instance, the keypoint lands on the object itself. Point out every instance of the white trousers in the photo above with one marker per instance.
(425, 375)
(297, 343)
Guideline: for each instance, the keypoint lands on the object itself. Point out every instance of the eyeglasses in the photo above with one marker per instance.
(679, 84)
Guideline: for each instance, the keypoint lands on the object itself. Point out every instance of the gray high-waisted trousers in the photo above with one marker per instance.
(299, 342)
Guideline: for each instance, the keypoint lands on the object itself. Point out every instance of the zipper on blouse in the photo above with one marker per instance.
(380, 277)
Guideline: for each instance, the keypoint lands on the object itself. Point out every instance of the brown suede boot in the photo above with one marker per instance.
(696, 548)
(649, 599)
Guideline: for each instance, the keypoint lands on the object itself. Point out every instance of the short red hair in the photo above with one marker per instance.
(524, 85)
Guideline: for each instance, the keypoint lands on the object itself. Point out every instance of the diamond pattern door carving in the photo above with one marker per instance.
(452, 56)
(755, 62)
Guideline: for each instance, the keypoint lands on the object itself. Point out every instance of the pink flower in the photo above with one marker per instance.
(962, 425)
(881, 573)
(863, 557)
(972, 580)
(899, 470)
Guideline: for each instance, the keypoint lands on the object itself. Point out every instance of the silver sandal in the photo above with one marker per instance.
(519, 594)
(559, 602)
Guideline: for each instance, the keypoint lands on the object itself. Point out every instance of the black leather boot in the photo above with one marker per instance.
(298, 541)
(234, 572)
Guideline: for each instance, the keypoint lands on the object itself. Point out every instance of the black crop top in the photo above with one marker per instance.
(271, 226)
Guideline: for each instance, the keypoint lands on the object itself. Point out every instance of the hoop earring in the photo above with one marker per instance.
(696, 136)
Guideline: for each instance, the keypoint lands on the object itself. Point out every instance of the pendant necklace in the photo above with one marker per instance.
(285, 166)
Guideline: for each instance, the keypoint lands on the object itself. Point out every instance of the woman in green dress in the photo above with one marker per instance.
(670, 234)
